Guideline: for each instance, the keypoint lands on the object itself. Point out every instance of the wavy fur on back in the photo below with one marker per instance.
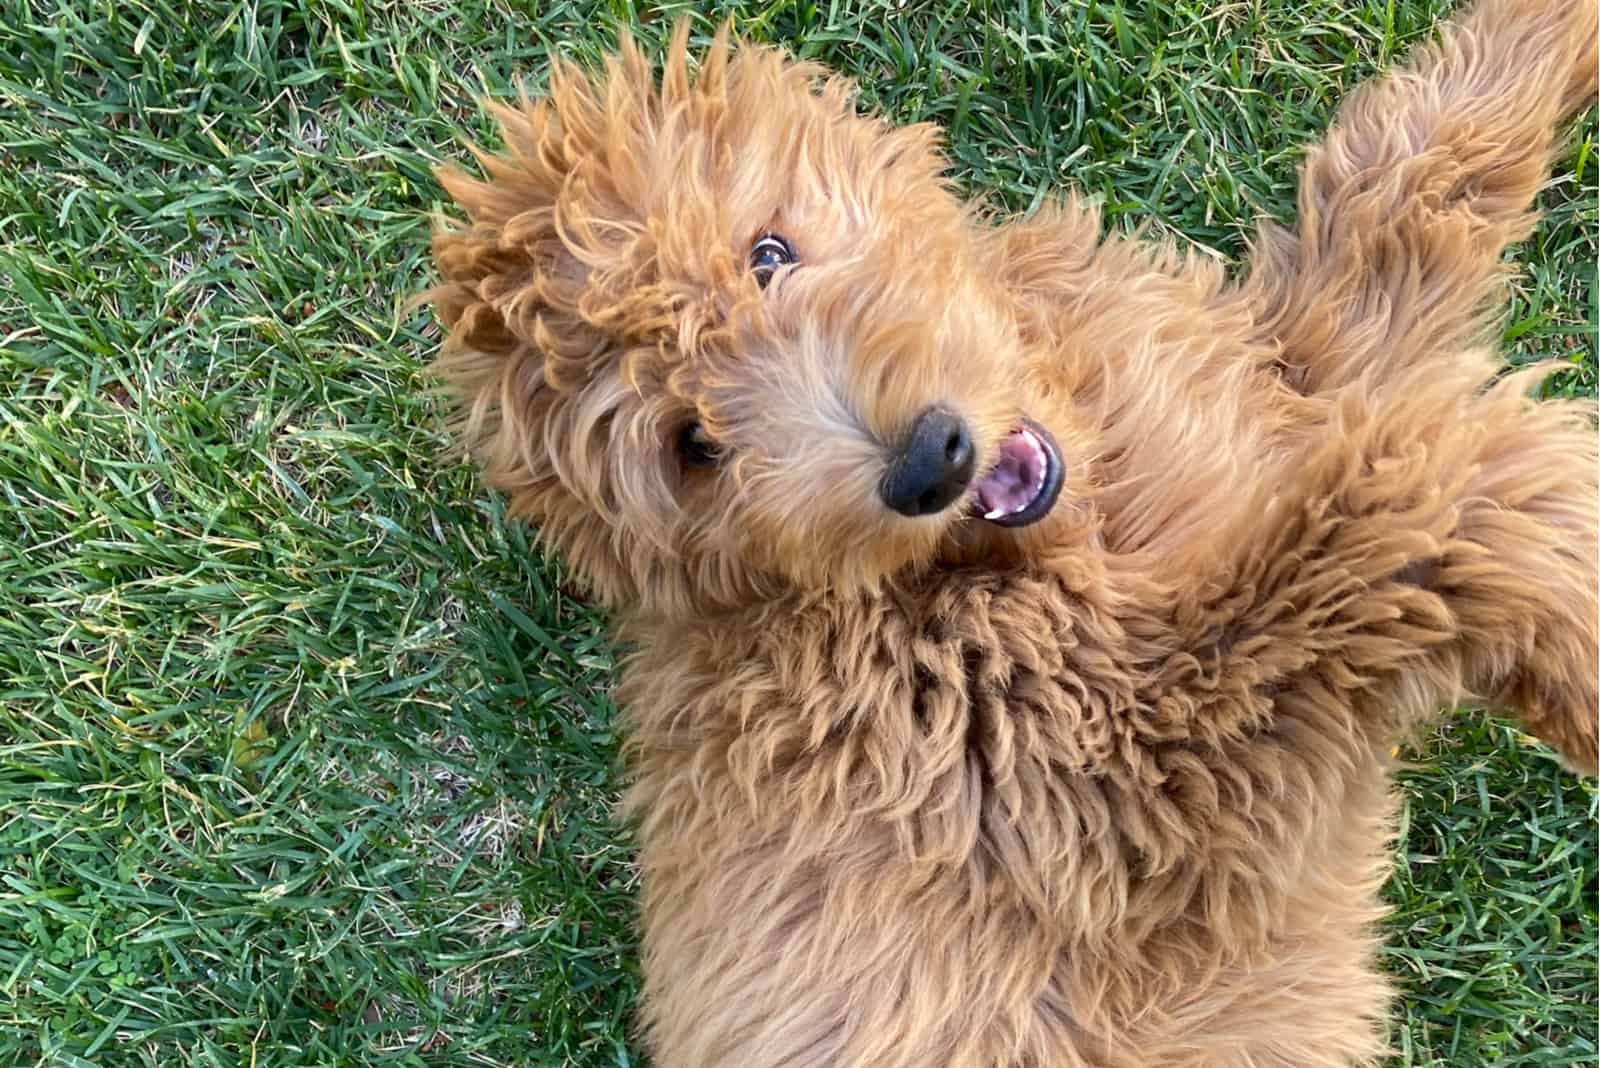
(1108, 791)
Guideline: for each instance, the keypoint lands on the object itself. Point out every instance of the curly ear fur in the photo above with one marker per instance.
(561, 317)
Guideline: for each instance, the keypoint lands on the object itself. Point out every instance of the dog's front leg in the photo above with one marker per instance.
(1405, 208)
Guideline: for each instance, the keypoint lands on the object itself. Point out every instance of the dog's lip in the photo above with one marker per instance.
(1023, 483)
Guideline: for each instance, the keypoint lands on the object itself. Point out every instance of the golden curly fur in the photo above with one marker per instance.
(1108, 790)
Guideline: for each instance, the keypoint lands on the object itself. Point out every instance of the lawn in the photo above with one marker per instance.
(306, 756)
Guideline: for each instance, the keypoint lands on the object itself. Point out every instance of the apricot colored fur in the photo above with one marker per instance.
(1111, 790)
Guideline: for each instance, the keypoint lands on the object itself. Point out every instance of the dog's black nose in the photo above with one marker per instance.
(933, 467)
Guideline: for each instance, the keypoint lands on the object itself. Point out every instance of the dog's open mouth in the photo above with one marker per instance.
(1025, 480)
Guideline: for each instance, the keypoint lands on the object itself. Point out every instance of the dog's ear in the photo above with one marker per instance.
(520, 293)
(552, 302)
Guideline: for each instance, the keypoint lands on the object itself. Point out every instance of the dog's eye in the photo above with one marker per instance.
(695, 447)
(767, 255)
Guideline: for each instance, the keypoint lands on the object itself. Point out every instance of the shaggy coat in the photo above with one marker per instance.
(1111, 789)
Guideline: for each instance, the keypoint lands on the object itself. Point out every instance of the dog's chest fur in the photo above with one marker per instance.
(1018, 733)
(988, 762)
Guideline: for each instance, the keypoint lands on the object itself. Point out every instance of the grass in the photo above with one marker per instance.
(305, 755)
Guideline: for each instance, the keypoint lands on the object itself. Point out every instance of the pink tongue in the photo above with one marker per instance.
(1014, 481)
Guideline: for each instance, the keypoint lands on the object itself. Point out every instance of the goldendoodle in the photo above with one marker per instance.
(1021, 620)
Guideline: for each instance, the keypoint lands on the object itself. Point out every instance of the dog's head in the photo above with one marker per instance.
(722, 336)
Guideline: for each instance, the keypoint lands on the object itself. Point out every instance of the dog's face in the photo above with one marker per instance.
(724, 336)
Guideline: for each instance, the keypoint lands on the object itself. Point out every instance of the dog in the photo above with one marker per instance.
(1020, 622)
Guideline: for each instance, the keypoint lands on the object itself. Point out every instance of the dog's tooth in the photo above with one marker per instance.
(995, 513)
